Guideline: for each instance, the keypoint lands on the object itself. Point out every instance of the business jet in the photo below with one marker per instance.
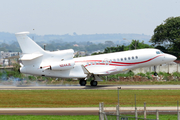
(37, 61)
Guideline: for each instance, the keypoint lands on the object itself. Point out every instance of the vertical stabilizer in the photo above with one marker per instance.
(27, 44)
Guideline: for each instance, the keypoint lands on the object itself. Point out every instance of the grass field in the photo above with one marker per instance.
(86, 98)
(48, 117)
(83, 117)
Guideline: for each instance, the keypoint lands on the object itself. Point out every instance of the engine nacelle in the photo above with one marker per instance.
(63, 65)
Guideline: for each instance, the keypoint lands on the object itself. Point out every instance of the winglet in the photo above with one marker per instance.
(85, 70)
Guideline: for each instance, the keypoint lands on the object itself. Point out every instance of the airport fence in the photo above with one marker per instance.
(122, 117)
(136, 115)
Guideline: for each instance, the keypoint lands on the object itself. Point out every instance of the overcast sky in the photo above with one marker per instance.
(85, 16)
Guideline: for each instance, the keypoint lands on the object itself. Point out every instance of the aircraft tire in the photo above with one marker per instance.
(155, 74)
(82, 82)
(93, 83)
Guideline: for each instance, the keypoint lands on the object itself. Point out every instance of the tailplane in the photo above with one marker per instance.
(27, 44)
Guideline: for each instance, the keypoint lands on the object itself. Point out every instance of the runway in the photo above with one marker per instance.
(77, 87)
(83, 111)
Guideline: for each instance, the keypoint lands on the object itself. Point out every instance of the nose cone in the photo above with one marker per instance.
(170, 58)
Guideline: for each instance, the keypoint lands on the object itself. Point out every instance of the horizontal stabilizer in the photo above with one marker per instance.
(30, 56)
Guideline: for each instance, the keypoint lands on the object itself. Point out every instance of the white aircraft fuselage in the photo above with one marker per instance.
(37, 61)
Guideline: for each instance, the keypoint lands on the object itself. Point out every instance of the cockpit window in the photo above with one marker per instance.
(161, 52)
(158, 52)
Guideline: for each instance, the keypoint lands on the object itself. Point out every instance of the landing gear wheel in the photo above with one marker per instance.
(93, 83)
(155, 74)
(82, 82)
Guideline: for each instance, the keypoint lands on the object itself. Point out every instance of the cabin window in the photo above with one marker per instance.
(114, 60)
(121, 59)
(158, 52)
(110, 60)
(132, 57)
(125, 59)
(118, 59)
(136, 57)
(128, 58)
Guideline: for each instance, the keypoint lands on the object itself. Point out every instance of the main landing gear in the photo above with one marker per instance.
(82, 82)
(93, 83)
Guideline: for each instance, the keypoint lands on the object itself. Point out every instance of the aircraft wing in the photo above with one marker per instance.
(101, 70)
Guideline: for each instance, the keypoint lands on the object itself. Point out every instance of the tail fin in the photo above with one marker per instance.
(27, 44)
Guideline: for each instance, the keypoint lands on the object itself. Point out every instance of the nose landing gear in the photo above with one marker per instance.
(155, 73)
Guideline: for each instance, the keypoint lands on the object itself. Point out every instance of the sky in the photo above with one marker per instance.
(85, 16)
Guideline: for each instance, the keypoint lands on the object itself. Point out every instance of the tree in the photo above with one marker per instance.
(169, 31)
(136, 44)
(139, 45)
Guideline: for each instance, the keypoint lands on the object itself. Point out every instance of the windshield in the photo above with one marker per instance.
(159, 52)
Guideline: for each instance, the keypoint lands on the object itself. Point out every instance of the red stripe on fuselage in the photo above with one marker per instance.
(137, 62)
(117, 63)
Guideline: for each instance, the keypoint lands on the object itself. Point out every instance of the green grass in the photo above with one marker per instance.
(78, 117)
(48, 117)
(86, 98)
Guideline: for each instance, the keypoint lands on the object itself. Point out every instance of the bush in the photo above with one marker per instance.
(141, 74)
(176, 74)
(31, 78)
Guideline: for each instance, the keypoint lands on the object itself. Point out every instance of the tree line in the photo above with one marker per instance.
(135, 44)
(167, 36)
